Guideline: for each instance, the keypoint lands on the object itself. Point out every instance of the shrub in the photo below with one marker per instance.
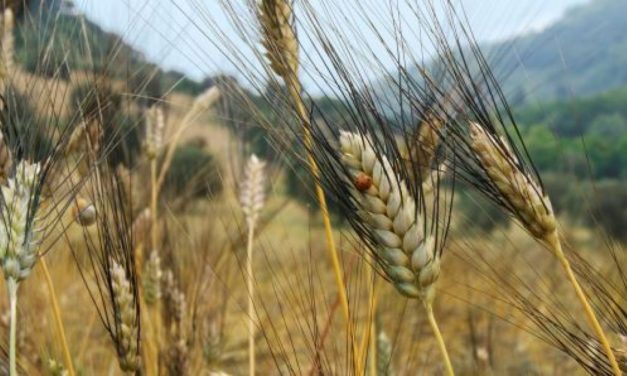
(193, 173)
(479, 213)
(300, 187)
(609, 206)
(25, 130)
(98, 101)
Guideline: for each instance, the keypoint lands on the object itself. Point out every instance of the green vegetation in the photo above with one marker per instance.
(193, 173)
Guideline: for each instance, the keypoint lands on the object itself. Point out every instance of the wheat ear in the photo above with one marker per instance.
(6, 160)
(533, 209)
(384, 355)
(8, 43)
(423, 151)
(125, 319)
(281, 45)
(405, 252)
(252, 198)
(18, 239)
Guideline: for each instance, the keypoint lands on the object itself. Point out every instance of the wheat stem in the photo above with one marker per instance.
(154, 194)
(556, 246)
(372, 300)
(294, 90)
(57, 319)
(438, 336)
(12, 288)
(251, 300)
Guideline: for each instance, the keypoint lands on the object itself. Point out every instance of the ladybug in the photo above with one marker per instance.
(363, 182)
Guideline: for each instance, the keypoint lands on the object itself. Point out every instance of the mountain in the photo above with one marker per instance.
(583, 53)
(53, 38)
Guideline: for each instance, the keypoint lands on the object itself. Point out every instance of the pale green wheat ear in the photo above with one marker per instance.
(19, 229)
(55, 368)
(206, 99)
(126, 324)
(384, 355)
(152, 277)
(406, 252)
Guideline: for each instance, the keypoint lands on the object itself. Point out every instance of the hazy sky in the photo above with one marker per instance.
(170, 32)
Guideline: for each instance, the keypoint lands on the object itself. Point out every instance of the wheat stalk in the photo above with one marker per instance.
(281, 45)
(406, 253)
(252, 199)
(523, 196)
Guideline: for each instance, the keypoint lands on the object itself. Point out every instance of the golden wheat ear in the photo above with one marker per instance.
(282, 51)
(524, 198)
(280, 42)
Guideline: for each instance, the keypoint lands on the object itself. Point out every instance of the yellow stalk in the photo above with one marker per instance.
(438, 336)
(251, 300)
(58, 321)
(293, 86)
(556, 246)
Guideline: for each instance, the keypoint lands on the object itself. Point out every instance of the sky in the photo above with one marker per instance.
(174, 33)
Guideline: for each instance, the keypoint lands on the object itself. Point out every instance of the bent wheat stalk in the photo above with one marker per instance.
(404, 250)
(281, 45)
(533, 209)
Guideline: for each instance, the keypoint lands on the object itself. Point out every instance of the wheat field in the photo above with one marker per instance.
(254, 224)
